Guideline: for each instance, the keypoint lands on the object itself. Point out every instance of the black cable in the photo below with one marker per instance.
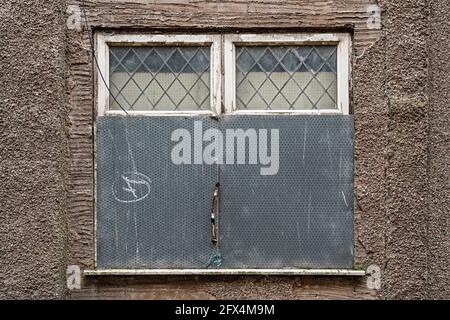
(91, 40)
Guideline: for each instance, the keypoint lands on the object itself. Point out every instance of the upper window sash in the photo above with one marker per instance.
(341, 40)
(105, 40)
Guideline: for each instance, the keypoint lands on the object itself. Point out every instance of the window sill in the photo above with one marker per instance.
(221, 272)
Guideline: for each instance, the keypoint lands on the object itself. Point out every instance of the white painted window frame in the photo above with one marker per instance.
(227, 80)
(342, 40)
(104, 40)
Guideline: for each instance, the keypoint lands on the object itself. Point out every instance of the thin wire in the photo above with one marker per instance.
(91, 40)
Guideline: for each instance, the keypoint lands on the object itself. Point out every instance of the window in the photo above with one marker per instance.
(159, 74)
(259, 125)
(159, 78)
(291, 73)
(286, 77)
(277, 73)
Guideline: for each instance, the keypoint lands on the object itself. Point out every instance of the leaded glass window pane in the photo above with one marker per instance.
(160, 78)
(286, 77)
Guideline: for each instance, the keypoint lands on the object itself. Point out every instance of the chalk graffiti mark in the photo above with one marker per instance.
(131, 187)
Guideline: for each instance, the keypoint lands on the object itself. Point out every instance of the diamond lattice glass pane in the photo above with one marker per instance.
(286, 77)
(159, 78)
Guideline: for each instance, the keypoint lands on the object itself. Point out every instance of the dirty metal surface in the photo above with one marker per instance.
(302, 217)
(153, 214)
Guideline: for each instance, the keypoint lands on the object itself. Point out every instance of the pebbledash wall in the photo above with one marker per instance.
(400, 99)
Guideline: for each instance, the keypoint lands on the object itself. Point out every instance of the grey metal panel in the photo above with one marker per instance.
(162, 219)
(153, 214)
(301, 217)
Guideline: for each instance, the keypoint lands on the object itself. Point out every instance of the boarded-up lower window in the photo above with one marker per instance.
(262, 180)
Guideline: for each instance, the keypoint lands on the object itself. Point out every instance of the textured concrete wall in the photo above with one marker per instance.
(406, 31)
(401, 139)
(400, 88)
(402, 149)
(206, 16)
(438, 224)
(32, 149)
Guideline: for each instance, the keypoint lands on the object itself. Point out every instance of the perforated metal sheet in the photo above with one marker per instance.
(301, 217)
(162, 218)
(154, 214)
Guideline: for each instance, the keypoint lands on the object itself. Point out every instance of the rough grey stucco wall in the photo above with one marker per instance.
(401, 139)
(406, 151)
(438, 239)
(400, 101)
(193, 16)
(32, 149)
